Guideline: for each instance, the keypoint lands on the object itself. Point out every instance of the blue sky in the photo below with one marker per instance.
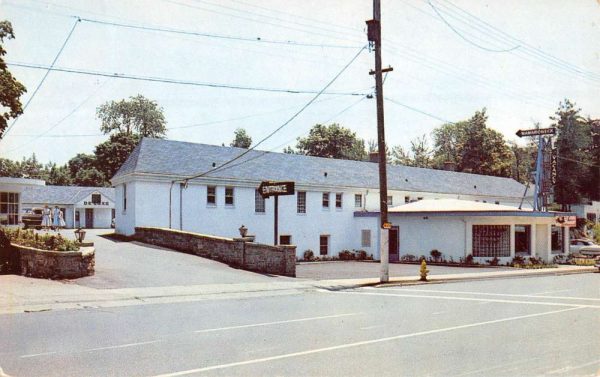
(536, 54)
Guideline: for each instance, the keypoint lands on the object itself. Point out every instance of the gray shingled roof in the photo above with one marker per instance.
(63, 194)
(184, 159)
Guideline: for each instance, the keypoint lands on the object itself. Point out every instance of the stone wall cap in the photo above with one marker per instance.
(55, 252)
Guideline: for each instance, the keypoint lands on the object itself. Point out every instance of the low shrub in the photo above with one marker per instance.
(560, 259)
(468, 260)
(517, 261)
(40, 241)
(9, 256)
(493, 262)
(435, 254)
(408, 258)
(346, 255)
(308, 255)
(360, 254)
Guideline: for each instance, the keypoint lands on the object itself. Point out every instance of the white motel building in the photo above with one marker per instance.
(335, 205)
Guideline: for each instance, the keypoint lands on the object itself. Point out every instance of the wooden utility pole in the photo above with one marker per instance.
(374, 36)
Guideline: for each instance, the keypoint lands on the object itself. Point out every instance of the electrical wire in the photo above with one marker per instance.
(465, 38)
(45, 76)
(174, 81)
(218, 36)
(284, 124)
(416, 110)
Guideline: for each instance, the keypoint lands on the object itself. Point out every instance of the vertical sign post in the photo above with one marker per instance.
(276, 189)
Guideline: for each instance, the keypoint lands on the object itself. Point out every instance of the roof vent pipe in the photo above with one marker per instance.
(373, 156)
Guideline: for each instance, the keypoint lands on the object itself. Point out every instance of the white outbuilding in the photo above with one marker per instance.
(11, 190)
(82, 207)
(333, 207)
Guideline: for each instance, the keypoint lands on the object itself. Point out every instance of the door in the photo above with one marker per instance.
(394, 244)
(89, 217)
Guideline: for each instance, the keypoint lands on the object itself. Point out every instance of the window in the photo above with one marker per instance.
(325, 200)
(390, 201)
(96, 199)
(301, 202)
(112, 213)
(557, 239)
(365, 238)
(323, 245)
(491, 241)
(406, 199)
(338, 200)
(358, 200)
(229, 196)
(420, 198)
(259, 202)
(9, 208)
(522, 240)
(124, 197)
(211, 195)
(285, 240)
(497, 202)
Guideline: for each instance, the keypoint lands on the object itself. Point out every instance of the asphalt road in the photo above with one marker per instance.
(513, 327)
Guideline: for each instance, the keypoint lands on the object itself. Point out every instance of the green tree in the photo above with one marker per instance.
(472, 147)
(138, 115)
(9, 168)
(58, 175)
(91, 177)
(80, 162)
(10, 89)
(332, 141)
(594, 153)
(242, 139)
(31, 168)
(573, 144)
(523, 161)
(111, 154)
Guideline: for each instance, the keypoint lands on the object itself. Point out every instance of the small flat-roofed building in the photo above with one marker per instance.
(11, 190)
(82, 207)
(458, 228)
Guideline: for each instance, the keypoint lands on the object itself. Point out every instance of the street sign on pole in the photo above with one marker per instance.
(267, 189)
(537, 132)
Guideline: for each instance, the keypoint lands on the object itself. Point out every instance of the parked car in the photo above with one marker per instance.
(583, 246)
(32, 217)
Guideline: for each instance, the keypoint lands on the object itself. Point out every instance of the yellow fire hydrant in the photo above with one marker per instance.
(423, 270)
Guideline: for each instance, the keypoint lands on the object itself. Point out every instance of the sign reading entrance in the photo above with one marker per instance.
(270, 188)
(536, 132)
(275, 189)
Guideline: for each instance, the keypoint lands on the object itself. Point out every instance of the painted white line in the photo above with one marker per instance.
(554, 291)
(2, 374)
(470, 299)
(571, 368)
(358, 344)
(36, 354)
(121, 346)
(275, 322)
(484, 293)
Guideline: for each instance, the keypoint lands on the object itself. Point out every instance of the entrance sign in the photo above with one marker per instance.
(276, 189)
(270, 188)
(537, 132)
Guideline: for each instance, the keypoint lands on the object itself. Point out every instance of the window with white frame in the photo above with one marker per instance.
(124, 197)
(259, 202)
(357, 200)
(365, 238)
(9, 208)
(301, 202)
(96, 199)
(557, 239)
(491, 241)
(338, 200)
(523, 240)
(285, 239)
(211, 195)
(406, 199)
(229, 196)
(390, 201)
(325, 200)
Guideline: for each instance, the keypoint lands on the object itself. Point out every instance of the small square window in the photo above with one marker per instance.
(211, 195)
(338, 200)
(285, 240)
(390, 201)
(229, 196)
(365, 237)
(420, 198)
(406, 199)
(96, 199)
(325, 200)
(358, 200)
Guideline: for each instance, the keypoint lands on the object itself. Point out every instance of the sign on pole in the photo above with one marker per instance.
(270, 188)
(537, 132)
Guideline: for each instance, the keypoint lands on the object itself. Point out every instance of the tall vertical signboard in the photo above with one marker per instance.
(276, 189)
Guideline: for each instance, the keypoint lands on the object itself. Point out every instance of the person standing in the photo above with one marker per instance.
(46, 213)
(61, 220)
(56, 218)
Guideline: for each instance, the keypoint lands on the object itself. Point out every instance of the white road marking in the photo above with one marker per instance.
(471, 299)
(275, 322)
(36, 354)
(2, 374)
(370, 327)
(122, 346)
(484, 293)
(554, 291)
(571, 368)
(357, 344)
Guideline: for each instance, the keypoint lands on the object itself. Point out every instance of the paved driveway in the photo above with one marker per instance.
(356, 270)
(121, 264)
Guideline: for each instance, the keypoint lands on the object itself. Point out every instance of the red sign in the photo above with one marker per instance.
(567, 221)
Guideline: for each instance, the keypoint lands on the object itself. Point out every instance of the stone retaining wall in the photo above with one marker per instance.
(48, 264)
(236, 252)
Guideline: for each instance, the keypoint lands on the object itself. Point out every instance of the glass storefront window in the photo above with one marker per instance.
(9, 208)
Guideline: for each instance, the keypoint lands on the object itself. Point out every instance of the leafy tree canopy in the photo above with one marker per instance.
(10, 89)
(111, 154)
(332, 141)
(242, 139)
(138, 115)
